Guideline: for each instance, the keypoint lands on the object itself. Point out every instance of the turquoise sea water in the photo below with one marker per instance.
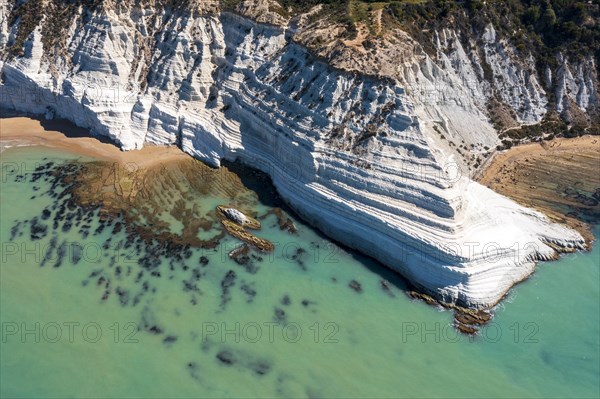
(281, 325)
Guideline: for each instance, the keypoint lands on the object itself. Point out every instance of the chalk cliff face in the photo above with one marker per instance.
(375, 150)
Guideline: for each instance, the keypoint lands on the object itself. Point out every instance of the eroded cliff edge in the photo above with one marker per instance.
(378, 160)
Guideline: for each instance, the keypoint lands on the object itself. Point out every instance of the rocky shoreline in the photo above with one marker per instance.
(467, 321)
(541, 176)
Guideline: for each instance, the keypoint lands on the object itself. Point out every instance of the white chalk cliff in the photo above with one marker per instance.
(371, 160)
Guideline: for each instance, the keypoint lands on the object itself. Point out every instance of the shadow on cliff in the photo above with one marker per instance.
(260, 183)
(69, 129)
(63, 126)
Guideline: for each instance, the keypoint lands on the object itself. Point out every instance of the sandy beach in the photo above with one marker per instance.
(66, 136)
(560, 177)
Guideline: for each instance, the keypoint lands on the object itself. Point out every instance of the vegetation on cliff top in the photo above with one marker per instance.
(571, 26)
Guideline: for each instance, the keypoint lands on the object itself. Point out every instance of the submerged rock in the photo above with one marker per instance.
(226, 358)
(355, 285)
(242, 234)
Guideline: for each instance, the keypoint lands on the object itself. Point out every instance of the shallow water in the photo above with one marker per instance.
(284, 324)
